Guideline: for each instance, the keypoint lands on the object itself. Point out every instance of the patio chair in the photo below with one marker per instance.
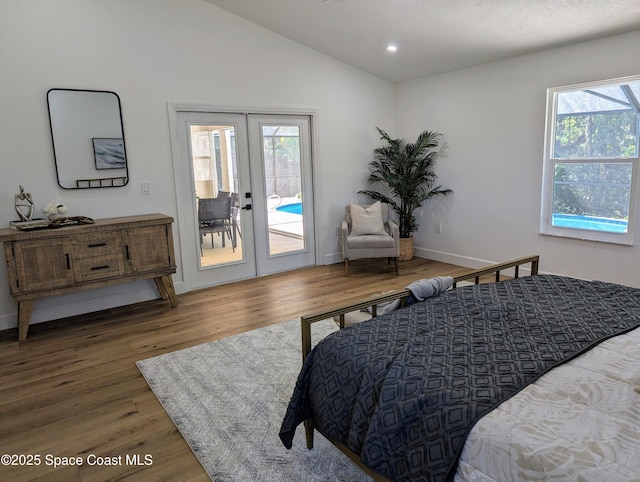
(214, 216)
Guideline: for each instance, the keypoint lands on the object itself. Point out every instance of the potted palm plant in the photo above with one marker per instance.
(407, 173)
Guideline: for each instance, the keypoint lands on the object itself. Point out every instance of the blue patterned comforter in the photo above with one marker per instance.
(404, 389)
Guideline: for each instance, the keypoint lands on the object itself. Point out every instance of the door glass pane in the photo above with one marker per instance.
(215, 176)
(283, 187)
(593, 196)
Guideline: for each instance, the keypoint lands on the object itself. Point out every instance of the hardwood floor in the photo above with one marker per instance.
(73, 389)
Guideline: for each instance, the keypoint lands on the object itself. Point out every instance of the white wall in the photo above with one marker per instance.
(493, 117)
(152, 52)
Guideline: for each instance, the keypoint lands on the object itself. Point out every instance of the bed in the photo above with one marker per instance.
(532, 378)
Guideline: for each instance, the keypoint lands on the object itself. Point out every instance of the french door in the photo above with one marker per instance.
(245, 195)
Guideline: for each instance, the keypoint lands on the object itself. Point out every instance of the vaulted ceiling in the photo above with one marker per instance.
(435, 36)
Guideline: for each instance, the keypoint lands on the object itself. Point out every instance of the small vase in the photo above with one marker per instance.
(53, 217)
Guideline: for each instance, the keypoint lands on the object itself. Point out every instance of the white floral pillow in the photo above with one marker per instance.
(367, 220)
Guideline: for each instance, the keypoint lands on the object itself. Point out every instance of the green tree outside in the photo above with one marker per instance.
(594, 189)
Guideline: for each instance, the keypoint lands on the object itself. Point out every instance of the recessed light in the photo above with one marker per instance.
(391, 48)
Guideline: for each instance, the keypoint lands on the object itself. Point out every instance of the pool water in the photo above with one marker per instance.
(590, 222)
(293, 208)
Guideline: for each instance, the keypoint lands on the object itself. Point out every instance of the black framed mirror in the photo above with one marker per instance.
(88, 138)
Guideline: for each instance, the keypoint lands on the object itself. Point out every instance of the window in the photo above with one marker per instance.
(591, 161)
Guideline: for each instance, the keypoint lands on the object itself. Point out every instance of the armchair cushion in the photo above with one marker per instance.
(367, 220)
(372, 241)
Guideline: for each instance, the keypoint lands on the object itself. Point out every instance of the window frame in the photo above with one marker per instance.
(549, 163)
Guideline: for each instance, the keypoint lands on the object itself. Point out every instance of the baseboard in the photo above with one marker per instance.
(452, 258)
(444, 257)
(441, 256)
(333, 258)
(8, 321)
(467, 261)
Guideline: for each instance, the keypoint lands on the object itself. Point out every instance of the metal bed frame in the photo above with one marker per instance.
(339, 312)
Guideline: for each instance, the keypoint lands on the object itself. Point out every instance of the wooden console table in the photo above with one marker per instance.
(57, 261)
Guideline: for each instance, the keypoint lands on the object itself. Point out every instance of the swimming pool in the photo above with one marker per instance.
(293, 208)
(590, 222)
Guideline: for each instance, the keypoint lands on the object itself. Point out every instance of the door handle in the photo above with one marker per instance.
(247, 207)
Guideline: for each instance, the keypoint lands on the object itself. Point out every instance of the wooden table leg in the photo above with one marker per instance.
(161, 288)
(166, 289)
(25, 309)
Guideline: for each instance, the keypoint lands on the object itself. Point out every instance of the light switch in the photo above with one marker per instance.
(145, 187)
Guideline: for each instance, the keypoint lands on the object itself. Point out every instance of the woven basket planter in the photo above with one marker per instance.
(406, 249)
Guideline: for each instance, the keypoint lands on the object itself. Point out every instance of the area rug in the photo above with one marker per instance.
(228, 398)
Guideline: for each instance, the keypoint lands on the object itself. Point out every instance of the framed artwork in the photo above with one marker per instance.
(109, 153)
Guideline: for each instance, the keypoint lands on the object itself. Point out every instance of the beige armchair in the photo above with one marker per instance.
(367, 232)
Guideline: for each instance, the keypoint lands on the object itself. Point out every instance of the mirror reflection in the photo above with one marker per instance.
(88, 138)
